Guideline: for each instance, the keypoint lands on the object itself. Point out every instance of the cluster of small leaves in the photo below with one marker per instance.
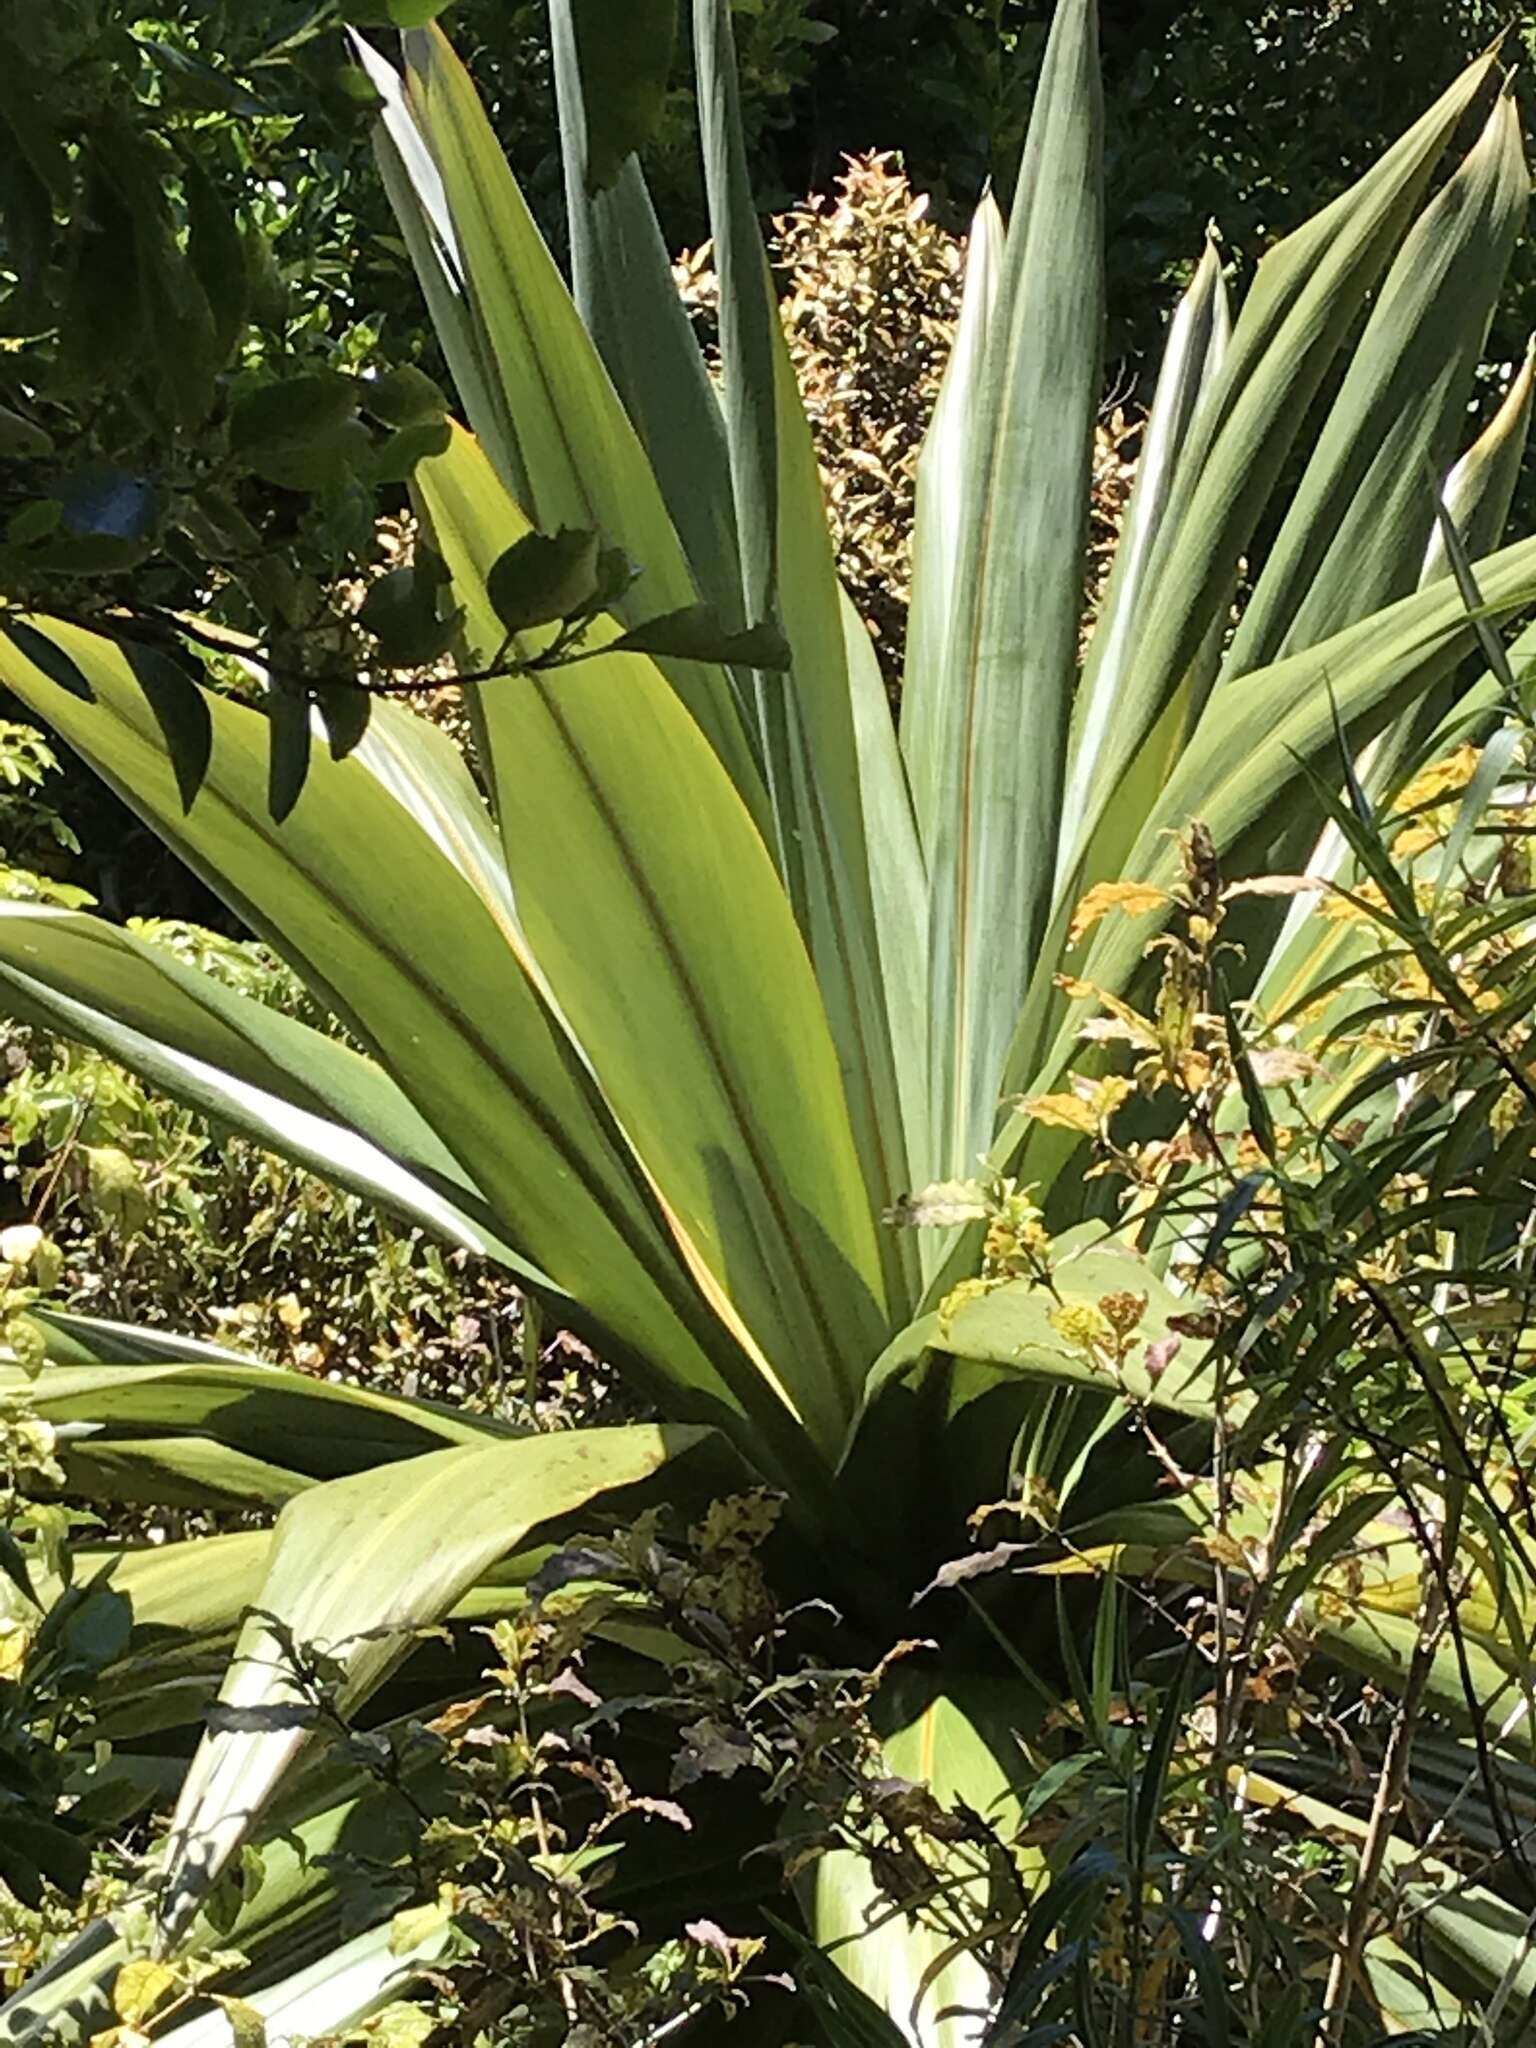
(517, 1797)
(519, 1794)
(1171, 1900)
(193, 420)
(148, 1994)
(37, 846)
(568, 579)
(551, 593)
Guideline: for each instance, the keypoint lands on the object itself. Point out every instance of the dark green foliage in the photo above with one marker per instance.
(625, 55)
(1250, 116)
(544, 577)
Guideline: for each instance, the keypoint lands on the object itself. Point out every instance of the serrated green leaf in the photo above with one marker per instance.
(32, 1848)
(13, 1562)
(1014, 1329)
(194, 82)
(345, 711)
(141, 1989)
(410, 1929)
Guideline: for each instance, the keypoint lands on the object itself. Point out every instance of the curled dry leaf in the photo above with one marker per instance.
(1160, 1355)
(1135, 897)
(1275, 885)
(976, 1566)
(1281, 1064)
(941, 1206)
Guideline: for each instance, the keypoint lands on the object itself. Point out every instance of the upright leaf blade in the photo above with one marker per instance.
(1197, 343)
(952, 454)
(1477, 494)
(621, 280)
(653, 911)
(552, 420)
(414, 187)
(1354, 535)
(624, 56)
(1480, 487)
(808, 730)
(406, 940)
(898, 880)
(1304, 303)
(1011, 655)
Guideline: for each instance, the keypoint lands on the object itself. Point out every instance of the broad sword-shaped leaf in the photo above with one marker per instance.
(401, 1545)
(651, 905)
(1010, 657)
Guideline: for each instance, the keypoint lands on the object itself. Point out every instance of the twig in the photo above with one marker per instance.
(1344, 1970)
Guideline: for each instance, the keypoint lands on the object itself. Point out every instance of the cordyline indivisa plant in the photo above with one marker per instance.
(718, 981)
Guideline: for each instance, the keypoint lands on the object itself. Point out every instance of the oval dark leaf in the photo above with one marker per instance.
(291, 410)
(697, 634)
(543, 577)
